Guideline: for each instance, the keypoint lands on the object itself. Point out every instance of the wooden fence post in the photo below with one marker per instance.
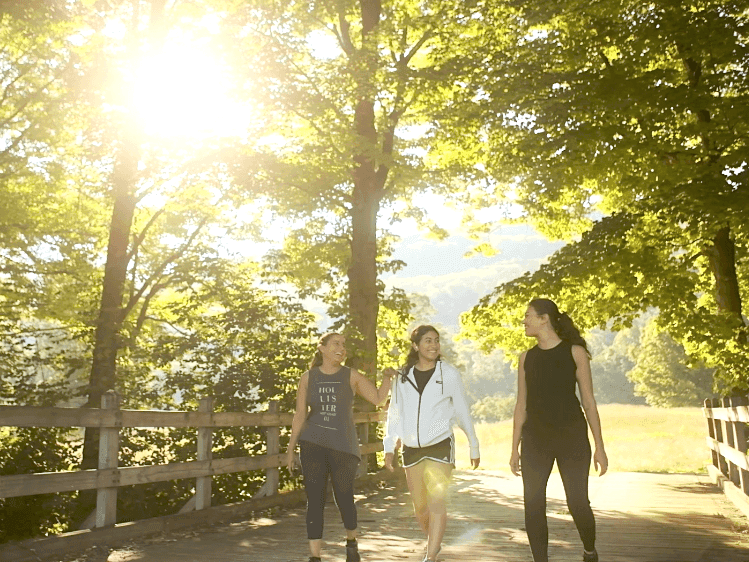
(109, 449)
(733, 472)
(711, 432)
(205, 453)
(722, 464)
(739, 440)
(273, 447)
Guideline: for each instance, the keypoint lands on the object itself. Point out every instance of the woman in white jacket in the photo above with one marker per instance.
(426, 399)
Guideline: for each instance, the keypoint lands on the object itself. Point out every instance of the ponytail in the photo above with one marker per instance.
(317, 357)
(561, 323)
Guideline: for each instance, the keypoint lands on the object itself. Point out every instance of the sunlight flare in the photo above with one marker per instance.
(184, 91)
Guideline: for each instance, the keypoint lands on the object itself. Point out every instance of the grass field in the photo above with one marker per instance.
(637, 439)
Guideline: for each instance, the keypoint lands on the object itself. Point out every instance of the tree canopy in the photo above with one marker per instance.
(618, 129)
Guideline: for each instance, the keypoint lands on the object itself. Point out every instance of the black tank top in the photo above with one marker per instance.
(550, 378)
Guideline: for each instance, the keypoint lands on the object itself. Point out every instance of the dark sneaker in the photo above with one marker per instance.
(590, 557)
(352, 553)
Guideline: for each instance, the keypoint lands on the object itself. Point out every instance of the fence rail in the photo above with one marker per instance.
(727, 419)
(109, 476)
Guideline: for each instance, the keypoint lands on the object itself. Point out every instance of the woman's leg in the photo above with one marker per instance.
(573, 459)
(437, 478)
(342, 473)
(428, 481)
(536, 462)
(417, 489)
(315, 470)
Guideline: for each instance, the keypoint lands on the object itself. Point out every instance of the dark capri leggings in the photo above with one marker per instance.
(569, 446)
(317, 464)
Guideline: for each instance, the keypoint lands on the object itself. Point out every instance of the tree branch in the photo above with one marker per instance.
(138, 238)
(415, 49)
(158, 272)
(344, 35)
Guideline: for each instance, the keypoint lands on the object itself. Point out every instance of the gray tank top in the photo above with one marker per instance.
(330, 422)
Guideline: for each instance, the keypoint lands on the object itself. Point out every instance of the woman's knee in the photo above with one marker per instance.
(579, 507)
(421, 509)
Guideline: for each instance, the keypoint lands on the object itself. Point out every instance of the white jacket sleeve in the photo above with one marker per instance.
(463, 413)
(394, 421)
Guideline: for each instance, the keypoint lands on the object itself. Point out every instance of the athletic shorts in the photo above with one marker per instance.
(444, 452)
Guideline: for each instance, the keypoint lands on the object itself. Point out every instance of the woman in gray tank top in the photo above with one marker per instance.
(323, 425)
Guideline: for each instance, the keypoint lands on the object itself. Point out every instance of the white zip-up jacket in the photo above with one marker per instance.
(419, 420)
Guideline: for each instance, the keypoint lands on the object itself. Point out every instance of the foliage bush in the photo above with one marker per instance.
(494, 408)
(29, 450)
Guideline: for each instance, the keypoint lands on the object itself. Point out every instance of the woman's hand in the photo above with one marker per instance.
(292, 462)
(475, 462)
(389, 461)
(389, 373)
(515, 463)
(600, 461)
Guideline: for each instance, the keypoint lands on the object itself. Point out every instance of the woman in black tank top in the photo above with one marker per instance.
(550, 424)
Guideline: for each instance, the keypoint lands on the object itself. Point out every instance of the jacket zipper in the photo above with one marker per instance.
(418, 423)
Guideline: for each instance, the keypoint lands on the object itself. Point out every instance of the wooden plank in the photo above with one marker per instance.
(735, 414)
(155, 418)
(50, 482)
(195, 469)
(27, 416)
(729, 453)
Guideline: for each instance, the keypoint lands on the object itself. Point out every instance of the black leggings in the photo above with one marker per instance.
(317, 463)
(570, 447)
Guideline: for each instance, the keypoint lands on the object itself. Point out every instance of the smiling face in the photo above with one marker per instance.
(428, 347)
(334, 349)
(533, 322)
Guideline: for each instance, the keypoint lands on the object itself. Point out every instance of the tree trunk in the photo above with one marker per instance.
(106, 343)
(367, 194)
(722, 256)
(362, 275)
(369, 182)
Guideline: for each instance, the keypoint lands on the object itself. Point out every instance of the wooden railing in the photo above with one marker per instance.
(109, 476)
(727, 419)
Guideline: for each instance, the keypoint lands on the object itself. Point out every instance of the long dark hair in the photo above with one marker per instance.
(317, 357)
(561, 323)
(413, 354)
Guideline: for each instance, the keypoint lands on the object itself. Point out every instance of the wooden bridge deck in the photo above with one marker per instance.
(640, 518)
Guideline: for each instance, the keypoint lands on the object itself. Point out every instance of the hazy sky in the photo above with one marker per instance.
(438, 269)
(454, 283)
